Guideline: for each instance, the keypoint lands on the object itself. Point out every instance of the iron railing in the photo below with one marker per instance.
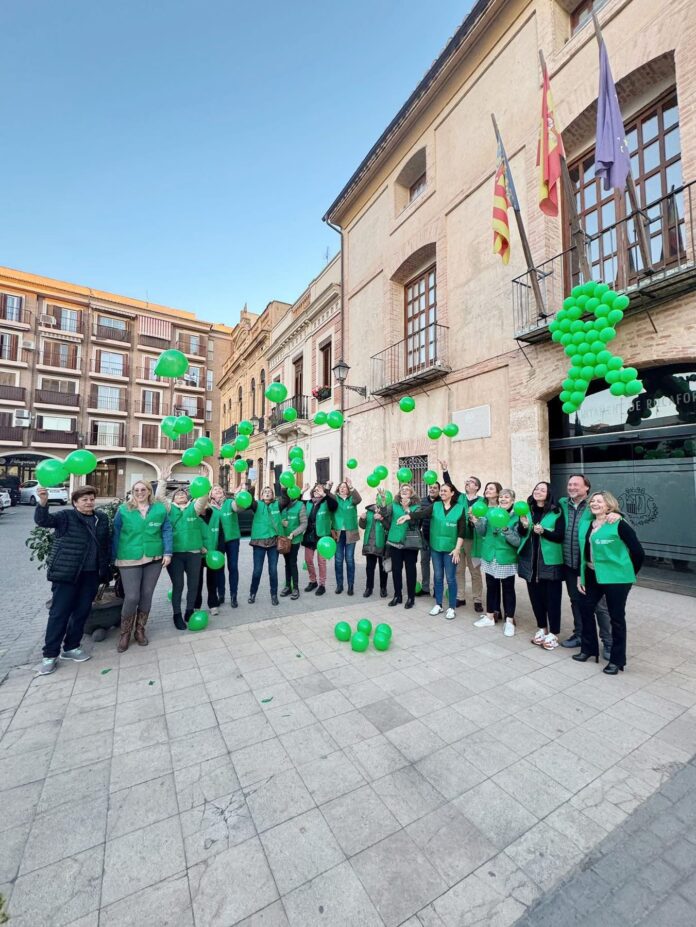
(107, 438)
(299, 403)
(107, 403)
(55, 397)
(152, 341)
(10, 313)
(110, 368)
(53, 436)
(146, 440)
(615, 258)
(53, 357)
(147, 407)
(147, 373)
(61, 323)
(184, 442)
(111, 332)
(10, 433)
(419, 357)
(189, 345)
(16, 393)
(188, 408)
(229, 434)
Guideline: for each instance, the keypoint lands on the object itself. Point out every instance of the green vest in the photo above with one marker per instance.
(322, 525)
(610, 556)
(380, 538)
(292, 515)
(345, 518)
(494, 547)
(141, 537)
(266, 523)
(190, 531)
(443, 526)
(397, 533)
(226, 517)
(551, 551)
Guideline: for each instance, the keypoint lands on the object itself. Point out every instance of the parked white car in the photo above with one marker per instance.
(28, 493)
(5, 500)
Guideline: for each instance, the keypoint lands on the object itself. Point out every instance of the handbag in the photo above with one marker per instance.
(386, 564)
(283, 544)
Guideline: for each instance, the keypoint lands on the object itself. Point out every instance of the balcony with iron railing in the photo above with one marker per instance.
(103, 403)
(184, 442)
(152, 341)
(107, 437)
(72, 325)
(416, 359)
(615, 258)
(10, 433)
(13, 393)
(108, 368)
(196, 347)
(147, 441)
(299, 403)
(229, 434)
(14, 315)
(147, 373)
(194, 410)
(145, 406)
(54, 397)
(53, 436)
(65, 360)
(104, 332)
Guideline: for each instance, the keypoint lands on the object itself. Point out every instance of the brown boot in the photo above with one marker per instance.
(140, 622)
(126, 629)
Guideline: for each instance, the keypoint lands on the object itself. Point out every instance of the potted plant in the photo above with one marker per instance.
(106, 607)
(321, 393)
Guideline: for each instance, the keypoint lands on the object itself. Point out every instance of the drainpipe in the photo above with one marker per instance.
(339, 231)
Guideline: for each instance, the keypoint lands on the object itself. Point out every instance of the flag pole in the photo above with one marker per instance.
(577, 232)
(541, 306)
(641, 218)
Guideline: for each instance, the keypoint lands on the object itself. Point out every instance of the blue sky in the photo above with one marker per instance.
(185, 152)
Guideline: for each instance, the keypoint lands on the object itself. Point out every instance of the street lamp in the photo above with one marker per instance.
(340, 372)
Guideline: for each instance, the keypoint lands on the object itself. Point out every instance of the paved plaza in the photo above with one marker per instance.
(260, 773)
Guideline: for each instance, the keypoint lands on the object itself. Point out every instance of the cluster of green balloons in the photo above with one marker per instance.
(585, 342)
(193, 456)
(53, 472)
(332, 419)
(378, 475)
(276, 392)
(198, 620)
(171, 364)
(407, 404)
(498, 517)
(360, 639)
(172, 426)
(450, 430)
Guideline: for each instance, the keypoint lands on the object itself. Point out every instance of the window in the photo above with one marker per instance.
(106, 434)
(298, 371)
(418, 465)
(189, 404)
(7, 378)
(262, 387)
(149, 368)
(416, 188)
(55, 423)
(151, 402)
(60, 354)
(111, 363)
(655, 148)
(325, 364)
(209, 410)
(112, 328)
(253, 397)
(106, 397)
(59, 386)
(582, 13)
(67, 320)
(12, 308)
(8, 346)
(411, 181)
(149, 436)
(240, 411)
(209, 380)
(323, 469)
(194, 376)
(420, 321)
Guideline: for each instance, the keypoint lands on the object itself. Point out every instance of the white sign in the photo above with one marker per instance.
(473, 423)
(251, 473)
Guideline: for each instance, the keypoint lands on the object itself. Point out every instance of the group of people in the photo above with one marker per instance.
(581, 540)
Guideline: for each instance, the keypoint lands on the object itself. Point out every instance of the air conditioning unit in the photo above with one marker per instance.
(21, 419)
(49, 320)
(179, 410)
(28, 345)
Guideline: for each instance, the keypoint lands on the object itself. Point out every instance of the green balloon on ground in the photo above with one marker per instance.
(498, 518)
(334, 419)
(80, 462)
(245, 427)
(326, 547)
(343, 631)
(521, 508)
(450, 430)
(214, 559)
(184, 425)
(243, 499)
(228, 451)
(287, 479)
(171, 364)
(479, 509)
(407, 404)
(384, 629)
(381, 641)
(241, 442)
(365, 625)
(359, 642)
(372, 480)
(276, 392)
(191, 457)
(294, 492)
(320, 418)
(170, 592)
(199, 487)
(381, 472)
(198, 621)
(404, 474)
(205, 445)
(289, 415)
(434, 432)
(297, 465)
(240, 466)
(351, 463)
(429, 477)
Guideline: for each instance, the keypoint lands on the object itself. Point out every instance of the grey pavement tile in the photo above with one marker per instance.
(290, 717)
(85, 783)
(253, 662)
(139, 710)
(129, 769)
(387, 714)
(364, 693)
(216, 826)
(506, 877)
(66, 891)
(495, 813)
(451, 842)
(336, 897)
(414, 740)
(475, 902)
(585, 832)
(655, 704)
(330, 776)
(396, 683)
(204, 781)
(583, 743)
(19, 805)
(300, 849)
(680, 733)
(449, 690)
(166, 904)
(236, 707)
(259, 761)
(675, 911)
(520, 737)
(407, 794)
(329, 704)
(139, 734)
(149, 670)
(24, 767)
(11, 849)
(359, 819)
(80, 725)
(567, 768)
(142, 858)
(140, 805)
(544, 854)
(247, 731)
(81, 825)
(32, 713)
(376, 757)
(272, 916)
(419, 701)
(312, 685)
(68, 754)
(308, 743)
(342, 676)
(350, 728)
(449, 772)
(185, 698)
(485, 751)
(91, 701)
(197, 747)
(232, 885)
(226, 687)
(398, 877)
(148, 687)
(618, 725)
(269, 676)
(278, 798)
(36, 737)
(682, 855)
(190, 720)
(449, 724)
(540, 795)
(171, 682)
(276, 696)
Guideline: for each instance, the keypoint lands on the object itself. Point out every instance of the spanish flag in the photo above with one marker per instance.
(549, 152)
(501, 204)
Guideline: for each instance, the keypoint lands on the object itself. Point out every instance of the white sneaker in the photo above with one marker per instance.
(214, 611)
(509, 629)
(550, 642)
(450, 614)
(435, 610)
(539, 637)
(485, 622)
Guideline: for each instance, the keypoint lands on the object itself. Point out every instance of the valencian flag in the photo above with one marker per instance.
(549, 152)
(503, 198)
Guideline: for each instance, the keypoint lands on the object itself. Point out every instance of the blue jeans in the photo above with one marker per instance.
(443, 566)
(260, 554)
(232, 552)
(347, 551)
(70, 607)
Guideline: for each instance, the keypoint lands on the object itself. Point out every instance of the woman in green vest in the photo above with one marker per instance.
(375, 523)
(294, 522)
(345, 526)
(404, 541)
(610, 557)
(143, 544)
(265, 529)
(540, 562)
(189, 544)
(498, 560)
(320, 507)
(223, 526)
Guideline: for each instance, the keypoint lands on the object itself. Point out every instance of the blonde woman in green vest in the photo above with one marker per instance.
(189, 544)
(375, 523)
(610, 558)
(142, 545)
(265, 529)
(404, 541)
(498, 561)
(345, 526)
(294, 521)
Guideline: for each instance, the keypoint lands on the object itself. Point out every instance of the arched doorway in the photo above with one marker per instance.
(116, 474)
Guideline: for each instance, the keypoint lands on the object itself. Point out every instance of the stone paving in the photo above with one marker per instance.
(264, 774)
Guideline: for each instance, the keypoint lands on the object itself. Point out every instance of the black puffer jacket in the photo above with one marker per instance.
(71, 543)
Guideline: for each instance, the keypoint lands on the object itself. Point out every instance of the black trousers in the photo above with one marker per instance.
(493, 595)
(545, 596)
(616, 596)
(185, 565)
(401, 559)
(71, 604)
(212, 585)
(292, 577)
(575, 596)
(372, 561)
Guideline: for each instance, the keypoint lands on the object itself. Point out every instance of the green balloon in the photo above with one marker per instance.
(359, 642)
(564, 325)
(577, 291)
(198, 621)
(582, 300)
(372, 480)
(184, 425)
(295, 451)
(240, 465)
(569, 408)
(569, 350)
(214, 559)
(607, 334)
(191, 457)
(569, 302)
(565, 339)
(589, 359)
(628, 374)
(384, 629)
(205, 446)
(564, 395)
(581, 384)
(587, 373)
(320, 418)
(574, 373)
(591, 304)
(574, 313)
(167, 425)
(382, 472)
(450, 430)
(603, 357)
(576, 327)
(615, 316)
(385, 496)
(600, 290)
(407, 404)
(381, 641)
(80, 462)
(576, 397)
(615, 362)
(241, 442)
(297, 465)
(199, 487)
(634, 387)
(351, 463)
(498, 518)
(434, 432)
(276, 392)
(171, 364)
(583, 349)
(521, 508)
(287, 479)
(618, 388)
(479, 509)
(169, 594)
(608, 297)
(419, 588)
(429, 477)
(289, 415)
(600, 370)
(294, 492)
(404, 475)
(243, 499)
(365, 626)
(612, 376)
(228, 451)
(576, 360)
(326, 547)
(621, 302)
(245, 427)
(334, 419)
(343, 631)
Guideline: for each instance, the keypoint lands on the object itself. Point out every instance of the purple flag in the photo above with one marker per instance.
(611, 156)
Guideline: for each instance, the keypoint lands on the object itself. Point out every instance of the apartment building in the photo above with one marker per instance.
(77, 370)
(431, 311)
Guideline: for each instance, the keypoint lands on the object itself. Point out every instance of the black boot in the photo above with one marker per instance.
(295, 594)
(461, 603)
(274, 600)
(188, 613)
(584, 657)
(320, 590)
(233, 601)
(383, 592)
(339, 589)
(396, 600)
(252, 598)
(179, 622)
(350, 590)
(286, 591)
(611, 669)
(310, 586)
(409, 603)
(367, 593)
